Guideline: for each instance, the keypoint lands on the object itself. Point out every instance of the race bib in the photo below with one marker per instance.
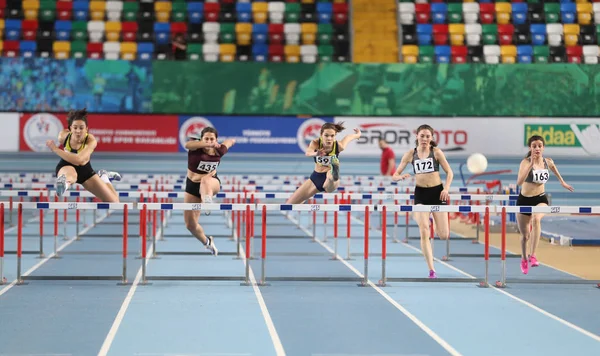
(424, 165)
(207, 166)
(324, 160)
(540, 176)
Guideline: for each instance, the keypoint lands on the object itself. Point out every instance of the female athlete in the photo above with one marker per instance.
(202, 183)
(75, 165)
(426, 160)
(533, 175)
(325, 150)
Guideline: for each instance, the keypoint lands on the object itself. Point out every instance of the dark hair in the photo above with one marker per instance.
(339, 127)
(209, 129)
(77, 115)
(426, 127)
(530, 141)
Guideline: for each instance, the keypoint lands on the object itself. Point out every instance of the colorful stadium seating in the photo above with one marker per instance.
(500, 32)
(225, 30)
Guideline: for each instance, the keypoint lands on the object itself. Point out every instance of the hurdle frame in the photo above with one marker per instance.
(21, 279)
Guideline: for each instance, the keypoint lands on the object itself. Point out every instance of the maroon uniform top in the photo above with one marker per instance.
(201, 162)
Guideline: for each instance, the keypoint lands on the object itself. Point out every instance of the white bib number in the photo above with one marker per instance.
(540, 176)
(207, 166)
(424, 165)
(324, 160)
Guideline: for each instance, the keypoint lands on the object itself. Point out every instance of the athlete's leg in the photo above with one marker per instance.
(107, 177)
(191, 223)
(536, 234)
(306, 191)
(65, 177)
(441, 225)
(100, 189)
(209, 186)
(523, 224)
(422, 219)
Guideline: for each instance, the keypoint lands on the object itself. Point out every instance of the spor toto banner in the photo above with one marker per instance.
(456, 137)
(114, 133)
(256, 134)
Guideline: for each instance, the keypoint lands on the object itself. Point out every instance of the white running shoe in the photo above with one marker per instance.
(61, 185)
(211, 246)
(207, 200)
(111, 175)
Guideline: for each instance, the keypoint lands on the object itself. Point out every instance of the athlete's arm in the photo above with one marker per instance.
(524, 169)
(441, 157)
(228, 143)
(313, 149)
(552, 167)
(406, 158)
(193, 145)
(346, 140)
(62, 136)
(86, 154)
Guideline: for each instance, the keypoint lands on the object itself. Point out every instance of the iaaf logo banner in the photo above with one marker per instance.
(192, 127)
(401, 134)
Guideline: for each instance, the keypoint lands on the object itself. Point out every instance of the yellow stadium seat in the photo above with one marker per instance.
(30, 9)
(61, 49)
(508, 53)
(309, 32)
(260, 11)
(292, 53)
(113, 31)
(503, 11)
(1, 45)
(457, 34)
(128, 50)
(97, 10)
(227, 52)
(571, 33)
(584, 13)
(163, 16)
(410, 53)
(308, 1)
(163, 6)
(243, 33)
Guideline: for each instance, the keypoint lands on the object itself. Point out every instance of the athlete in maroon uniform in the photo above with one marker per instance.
(202, 183)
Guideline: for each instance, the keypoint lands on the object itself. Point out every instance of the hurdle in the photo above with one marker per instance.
(246, 208)
(71, 206)
(504, 281)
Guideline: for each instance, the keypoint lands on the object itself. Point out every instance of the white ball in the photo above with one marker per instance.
(477, 163)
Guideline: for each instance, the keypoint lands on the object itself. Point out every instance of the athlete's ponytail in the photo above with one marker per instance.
(426, 127)
(339, 127)
(74, 115)
(530, 141)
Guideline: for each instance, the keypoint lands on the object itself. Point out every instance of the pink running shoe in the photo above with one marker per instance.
(432, 274)
(534, 262)
(524, 266)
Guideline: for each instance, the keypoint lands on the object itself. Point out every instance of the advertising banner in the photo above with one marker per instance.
(114, 133)
(9, 135)
(256, 134)
(564, 136)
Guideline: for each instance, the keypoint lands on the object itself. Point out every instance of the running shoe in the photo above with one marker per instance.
(335, 169)
(210, 245)
(61, 185)
(111, 175)
(207, 200)
(432, 274)
(534, 262)
(524, 266)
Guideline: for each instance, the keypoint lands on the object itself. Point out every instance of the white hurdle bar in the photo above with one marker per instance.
(125, 207)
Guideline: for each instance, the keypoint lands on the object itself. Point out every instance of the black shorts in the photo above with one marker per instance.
(84, 172)
(532, 201)
(193, 188)
(429, 196)
(318, 180)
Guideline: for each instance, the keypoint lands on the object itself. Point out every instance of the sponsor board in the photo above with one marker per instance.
(9, 135)
(456, 136)
(255, 134)
(576, 136)
(114, 133)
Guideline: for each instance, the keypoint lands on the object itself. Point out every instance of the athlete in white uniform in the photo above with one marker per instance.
(533, 175)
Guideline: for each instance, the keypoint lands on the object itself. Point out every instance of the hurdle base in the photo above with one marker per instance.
(22, 252)
(314, 279)
(73, 278)
(41, 256)
(21, 283)
(432, 280)
(499, 284)
(382, 284)
(362, 284)
(549, 281)
(193, 253)
(194, 278)
(475, 255)
(263, 284)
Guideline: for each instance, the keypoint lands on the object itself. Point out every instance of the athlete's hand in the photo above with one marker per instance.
(357, 131)
(51, 145)
(444, 196)
(567, 186)
(322, 152)
(404, 176)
